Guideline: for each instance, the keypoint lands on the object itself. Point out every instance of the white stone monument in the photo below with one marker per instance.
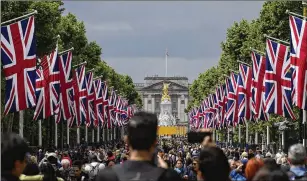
(166, 118)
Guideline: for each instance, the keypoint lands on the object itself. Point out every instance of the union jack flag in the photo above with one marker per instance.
(111, 108)
(98, 103)
(66, 90)
(244, 91)
(298, 56)
(221, 97)
(18, 57)
(90, 97)
(210, 112)
(80, 94)
(105, 111)
(232, 110)
(278, 85)
(258, 87)
(118, 111)
(47, 86)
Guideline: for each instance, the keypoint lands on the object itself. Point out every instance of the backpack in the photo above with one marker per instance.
(155, 174)
(292, 176)
(94, 171)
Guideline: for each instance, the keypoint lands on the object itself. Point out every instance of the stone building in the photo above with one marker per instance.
(151, 93)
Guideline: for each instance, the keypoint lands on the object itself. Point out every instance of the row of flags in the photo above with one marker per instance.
(47, 84)
(274, 82)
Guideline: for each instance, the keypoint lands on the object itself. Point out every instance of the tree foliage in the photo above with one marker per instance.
(50, 22)
(242, 36)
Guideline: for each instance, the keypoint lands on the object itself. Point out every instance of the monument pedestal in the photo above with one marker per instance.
(166, 118)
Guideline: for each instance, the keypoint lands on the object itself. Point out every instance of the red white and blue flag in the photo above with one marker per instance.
(105, 112)
(298, 57)
(98, 103)
(232, 110)
(47, 86)
(66, 108)
(18, 57)
(90, 97)
(258, 89)
(278, 85)
(244, 91)
(80, 95)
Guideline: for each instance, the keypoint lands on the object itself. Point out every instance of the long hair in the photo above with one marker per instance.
(48, 171)
(252, 166)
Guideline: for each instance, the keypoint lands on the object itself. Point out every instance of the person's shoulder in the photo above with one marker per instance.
(170, 175)
(106, 174)
(32, 177)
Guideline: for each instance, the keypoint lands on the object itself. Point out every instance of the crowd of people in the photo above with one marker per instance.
(141, 156)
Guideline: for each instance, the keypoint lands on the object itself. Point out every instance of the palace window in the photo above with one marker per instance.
(182, 101)
(149, 102)
(174, 105)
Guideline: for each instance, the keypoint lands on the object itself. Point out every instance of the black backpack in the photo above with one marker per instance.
(155, 174)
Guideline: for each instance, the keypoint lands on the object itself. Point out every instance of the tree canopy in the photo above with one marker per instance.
(50, 22)
(242, 35)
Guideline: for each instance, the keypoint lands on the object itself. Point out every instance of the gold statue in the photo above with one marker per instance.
(165, 95)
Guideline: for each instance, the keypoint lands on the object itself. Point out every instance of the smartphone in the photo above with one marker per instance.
(197, 137)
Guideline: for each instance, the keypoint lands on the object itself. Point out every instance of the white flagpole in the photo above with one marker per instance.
(86, 134)
(67, 133)
(166, 55)
(93, 135)
(40, 142)
(18, 18)
(21, 118)
(55, 134)
(98, 134)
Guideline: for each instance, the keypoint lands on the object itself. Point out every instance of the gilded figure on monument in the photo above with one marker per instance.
(165, 95)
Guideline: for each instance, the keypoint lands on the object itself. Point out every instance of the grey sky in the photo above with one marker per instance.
(134, 35)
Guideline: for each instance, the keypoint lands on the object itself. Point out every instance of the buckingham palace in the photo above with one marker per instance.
(151, 94)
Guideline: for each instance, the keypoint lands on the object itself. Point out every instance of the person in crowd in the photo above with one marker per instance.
(14, 156)
(297, 159)
(252, 166)
(237, 172)
(32, 167)
(270, 174)
(142, 140)
(213, 165)
(66, 157)
(192, 170)
(47, 173)
(179, 168)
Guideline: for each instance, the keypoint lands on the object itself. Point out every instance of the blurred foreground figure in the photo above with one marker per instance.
(142, 165)
(14, 153)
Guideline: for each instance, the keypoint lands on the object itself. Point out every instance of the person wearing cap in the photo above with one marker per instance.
(297, 160)
(14, 155)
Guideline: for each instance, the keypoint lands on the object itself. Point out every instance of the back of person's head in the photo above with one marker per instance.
(48, 171)
(297, 154)
(252, 166)
(270, 163)
(265, 174)
(65, 163)
(14, 150)
(213, 164)
(142, 131)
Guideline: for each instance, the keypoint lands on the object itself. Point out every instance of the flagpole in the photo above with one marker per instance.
(65, 51)
(257, 51)
(40, 143)
(83, 63)
(304, 3)
(298, 15)
(276, 39)
(18, 18)
(166, 55)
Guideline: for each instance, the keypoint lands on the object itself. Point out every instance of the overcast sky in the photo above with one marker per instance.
(134, 35)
